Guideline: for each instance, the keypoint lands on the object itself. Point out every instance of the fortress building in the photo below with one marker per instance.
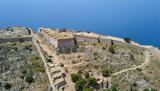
(63, 38)
(15, 34)
(57, 38)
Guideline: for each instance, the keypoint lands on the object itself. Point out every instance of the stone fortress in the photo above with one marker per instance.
(15, 34)
(62, 38)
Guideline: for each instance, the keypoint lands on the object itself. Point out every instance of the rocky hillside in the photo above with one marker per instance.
(21, 68)
(128, 68)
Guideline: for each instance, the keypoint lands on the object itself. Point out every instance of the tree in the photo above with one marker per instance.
(76, 77)
(106, 72)
(127, 40)
(7, 86)
(80, 85)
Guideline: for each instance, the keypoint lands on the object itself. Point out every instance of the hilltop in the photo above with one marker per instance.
(63, 59)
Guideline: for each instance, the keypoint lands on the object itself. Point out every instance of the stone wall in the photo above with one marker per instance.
(105, 41)
(121, 43)
(85, 39)
(60, 43)
(21, 39)
(66, 42)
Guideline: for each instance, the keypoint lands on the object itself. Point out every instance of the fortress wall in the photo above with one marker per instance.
(85, 39)
(4, 40)
(105, 41)
(121, 43)
(66, 42)
(53, 42)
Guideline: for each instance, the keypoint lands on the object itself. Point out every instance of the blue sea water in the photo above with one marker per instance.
(136, 19)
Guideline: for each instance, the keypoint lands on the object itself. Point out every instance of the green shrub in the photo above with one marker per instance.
(152, 89)
(146, 89)
(86, 74)
(34, 57)
(112, 49)
(91, 81)
(29, 79)
(76, 77)
(106, 72)
(135, 84)
(87, 89)
(7, 86)
(24, 71)
(79, 72)
(80, 85)
(114, 88)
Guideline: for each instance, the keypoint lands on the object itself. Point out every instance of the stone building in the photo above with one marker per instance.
(14, 34)
(17, 31)
(57, 39)
(86, 37)
(63, 38)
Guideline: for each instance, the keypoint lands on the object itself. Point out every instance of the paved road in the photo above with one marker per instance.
(147, 57)
(35, 37)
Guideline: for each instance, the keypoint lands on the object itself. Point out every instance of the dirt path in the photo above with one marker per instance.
(147, 57)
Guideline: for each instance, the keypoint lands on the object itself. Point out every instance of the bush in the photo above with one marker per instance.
(7, 86)
(86, 74)
(95, 53)
(29, 79)
(76, 77)
(146, 89)
(80, 85)
(114, 88)
(87, 89)
(112, 49)
(49, 60)
(152, 89)
(79, 72)
(91, 81)
(127, 40)
(24, 71)
(61, 65)
(135, 84)
(103, 48)
(106, 72)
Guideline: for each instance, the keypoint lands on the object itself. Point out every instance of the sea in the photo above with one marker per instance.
(137, 19)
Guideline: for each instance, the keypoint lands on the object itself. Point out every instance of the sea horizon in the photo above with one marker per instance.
(138, 19)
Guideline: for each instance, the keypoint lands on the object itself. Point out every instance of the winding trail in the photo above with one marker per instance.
(146, 62)
(147, 59)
